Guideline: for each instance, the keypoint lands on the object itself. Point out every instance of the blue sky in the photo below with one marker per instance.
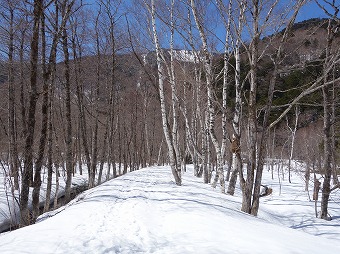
(310, 10)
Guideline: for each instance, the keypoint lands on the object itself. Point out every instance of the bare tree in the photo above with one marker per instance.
(44, 111)
(10, 6)
(236, 123)
(207, 60)
(77, 53)
(333, 26)
(293, 134)
(94, 104)
(33, 97)
(175, 168)
(66, 9)
(48, 74)
(256, 146)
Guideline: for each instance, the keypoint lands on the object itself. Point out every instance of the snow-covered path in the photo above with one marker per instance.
(145, 212)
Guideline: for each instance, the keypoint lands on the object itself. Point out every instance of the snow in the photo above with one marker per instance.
(9, 201)
(145, 212)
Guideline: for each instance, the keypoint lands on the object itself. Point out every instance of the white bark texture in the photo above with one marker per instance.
(211, 109)
(161, 80)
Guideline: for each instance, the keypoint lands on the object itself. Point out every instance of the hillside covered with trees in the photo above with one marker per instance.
(122, 85)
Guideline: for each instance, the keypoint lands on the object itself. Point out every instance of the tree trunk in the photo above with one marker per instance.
(68, 137)
(327, 124)
(236, 124)
(94, 152)
(77, 56)
(49, 156)
(265, 125)
(252, 117)
(293, 133)
(12, 130)
(174, 100)
(161, 80)
(211, 107)
(33, 97)
(44, 121)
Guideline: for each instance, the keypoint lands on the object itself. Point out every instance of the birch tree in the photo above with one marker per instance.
(323, 82)
(332, 28)
(173, 156)
(196, 132)
(293, 134)
(236, 123)
(258, 11)
(207, 61)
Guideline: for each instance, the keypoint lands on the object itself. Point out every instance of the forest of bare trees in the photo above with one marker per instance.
(121, 85)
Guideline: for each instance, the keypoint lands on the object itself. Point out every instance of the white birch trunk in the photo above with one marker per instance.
(211, 109)
(175, 106)
(161, 79)
(293, 133)
(225, 79)
(236, 141)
